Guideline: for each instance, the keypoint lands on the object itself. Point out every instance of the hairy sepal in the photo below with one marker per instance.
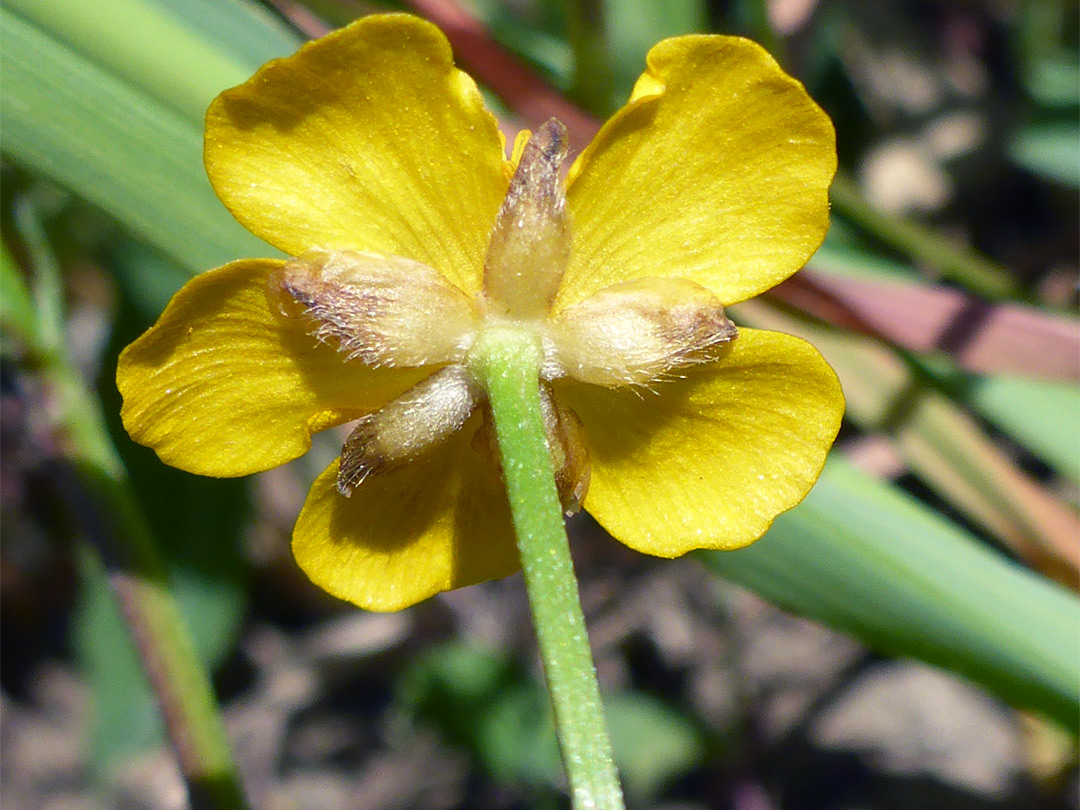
(530, 243)
(639, 332)
(408, 427)
(380, 310)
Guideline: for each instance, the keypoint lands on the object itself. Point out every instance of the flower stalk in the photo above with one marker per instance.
(506, 363)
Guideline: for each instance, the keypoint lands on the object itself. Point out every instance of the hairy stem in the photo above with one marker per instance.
(506, 363)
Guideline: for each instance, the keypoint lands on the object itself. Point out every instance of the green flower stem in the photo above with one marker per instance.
(121, 542)
(507, 364)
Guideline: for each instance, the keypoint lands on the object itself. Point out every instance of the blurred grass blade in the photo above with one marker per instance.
(941, 443)
(963, 265)
(980, 336)
(197, 523)
(16, 306)
(90, 28)
(586, 31)
(74, 122)
(863, 557)
(247, 33)
(1043, 415)
(117, 552)
(1049, 149)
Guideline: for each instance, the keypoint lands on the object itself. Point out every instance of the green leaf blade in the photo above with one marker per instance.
(72, 121)
(863, 557)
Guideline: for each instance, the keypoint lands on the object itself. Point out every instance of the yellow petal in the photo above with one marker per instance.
(221, 385)
(366, 139)
(709, 461)
(717, 172)
(440, 523)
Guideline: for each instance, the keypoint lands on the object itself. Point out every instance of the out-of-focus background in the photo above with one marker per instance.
(907, 638)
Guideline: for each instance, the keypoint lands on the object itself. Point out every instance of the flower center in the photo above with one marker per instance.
(391, 311)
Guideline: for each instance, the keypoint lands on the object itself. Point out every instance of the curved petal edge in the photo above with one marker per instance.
(223, 386)
(709, 461)
(717, 171)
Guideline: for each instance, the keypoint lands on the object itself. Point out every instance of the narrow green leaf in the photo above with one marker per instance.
(842, 254)
(248, 33)
(99, 492)
(861, 556)
(1043, 415)
(16, 307)
(196, 521)
(146, 56)
(198, 532)
(964, 265)
(586, 32)
(74, 122)
(46, 284)
(127, 718)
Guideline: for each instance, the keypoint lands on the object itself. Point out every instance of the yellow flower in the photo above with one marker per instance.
(370, 158)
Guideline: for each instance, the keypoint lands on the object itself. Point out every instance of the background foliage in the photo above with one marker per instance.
(944, 528)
